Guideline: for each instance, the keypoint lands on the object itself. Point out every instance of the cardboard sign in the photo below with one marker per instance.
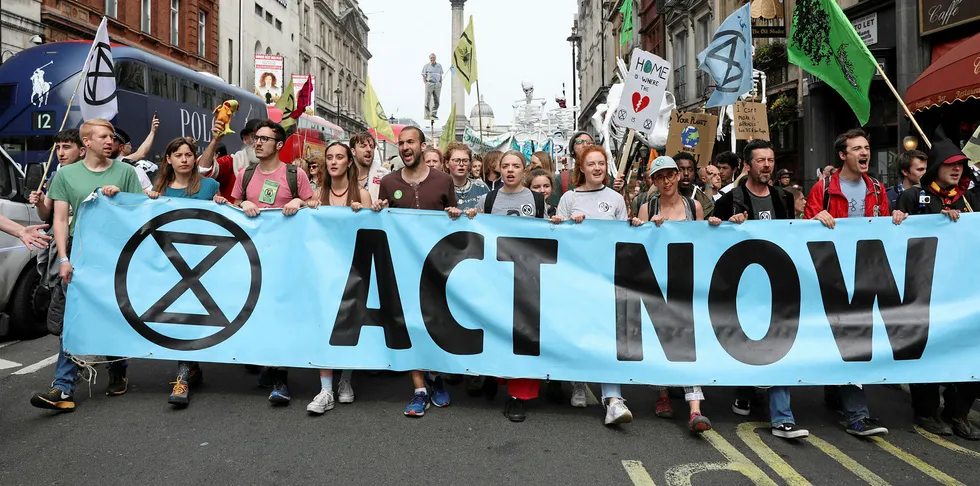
(314, 152)
(694, 133)
(751, 121)
(643, 92)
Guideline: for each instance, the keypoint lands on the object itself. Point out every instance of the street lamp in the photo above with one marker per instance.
(337, 92)
(574, 40)
(391, 119)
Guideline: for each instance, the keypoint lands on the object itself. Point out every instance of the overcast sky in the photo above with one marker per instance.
(515, 40)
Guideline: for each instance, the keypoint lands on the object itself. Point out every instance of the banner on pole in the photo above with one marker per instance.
(762, 303)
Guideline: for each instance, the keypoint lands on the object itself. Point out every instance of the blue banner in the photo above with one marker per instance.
(763, 303)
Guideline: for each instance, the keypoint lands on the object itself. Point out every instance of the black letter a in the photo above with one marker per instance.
(353, 313)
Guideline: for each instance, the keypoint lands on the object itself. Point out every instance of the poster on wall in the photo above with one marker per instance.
(299, 80)
(268, 77)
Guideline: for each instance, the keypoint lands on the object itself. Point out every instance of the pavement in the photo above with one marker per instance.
(231, 435)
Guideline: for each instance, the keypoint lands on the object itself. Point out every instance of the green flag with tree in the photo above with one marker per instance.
(824, 43)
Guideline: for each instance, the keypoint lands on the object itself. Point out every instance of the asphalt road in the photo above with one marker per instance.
(231, 435)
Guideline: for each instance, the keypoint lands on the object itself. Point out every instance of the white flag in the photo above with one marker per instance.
(99, 79)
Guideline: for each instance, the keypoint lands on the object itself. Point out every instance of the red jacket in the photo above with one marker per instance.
(875, 203)
(223, 171)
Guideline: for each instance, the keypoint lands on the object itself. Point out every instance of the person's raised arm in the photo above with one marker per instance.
(207, 158)
(144, 150)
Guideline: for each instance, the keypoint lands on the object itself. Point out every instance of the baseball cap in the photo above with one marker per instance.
(662, 163)
(250, 127)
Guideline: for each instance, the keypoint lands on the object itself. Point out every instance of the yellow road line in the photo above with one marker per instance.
(638, 473)
(915, 462)
(746, 432)
(947, 444)
(846, 461)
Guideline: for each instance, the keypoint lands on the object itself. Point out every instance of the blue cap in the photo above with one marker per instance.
(661, 163)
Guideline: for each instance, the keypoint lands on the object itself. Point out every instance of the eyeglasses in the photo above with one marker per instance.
(313, 166)
(263, 139)
(459, 161)
(584, 142)
(662, 176)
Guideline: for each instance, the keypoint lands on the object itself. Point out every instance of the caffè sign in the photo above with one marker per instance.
(937, 15)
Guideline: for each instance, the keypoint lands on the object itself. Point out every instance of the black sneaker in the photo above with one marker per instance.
(490, 387)
(268, 377)
(866, 427)
(474, 386)
(180, 395)
(514, 410)
(118, 383)
(54, 399)
(933, 425)
(789, 431)
(742, 407)
(554, 393)
(962, 428)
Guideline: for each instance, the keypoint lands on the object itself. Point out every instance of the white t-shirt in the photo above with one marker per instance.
(603, 203)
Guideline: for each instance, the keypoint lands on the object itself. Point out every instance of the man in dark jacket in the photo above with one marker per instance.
(754, 199)
(942, 190)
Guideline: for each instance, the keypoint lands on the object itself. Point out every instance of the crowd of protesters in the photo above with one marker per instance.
(732, 189)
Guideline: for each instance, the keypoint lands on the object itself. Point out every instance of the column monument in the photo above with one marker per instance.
(459, 93)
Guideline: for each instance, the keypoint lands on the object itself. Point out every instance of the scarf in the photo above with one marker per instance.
(949, 196)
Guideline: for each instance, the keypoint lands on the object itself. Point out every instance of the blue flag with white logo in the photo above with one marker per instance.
(728, 59)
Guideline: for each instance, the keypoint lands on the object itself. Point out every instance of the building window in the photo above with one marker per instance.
(145, 19)
(323, 76)
(231, 60)
(258, 10)
(174, 22)
(680, 67)
(306, 21)
(202, 33)
(279, 25)
(268, 17)
(322, 34)
(111, 8)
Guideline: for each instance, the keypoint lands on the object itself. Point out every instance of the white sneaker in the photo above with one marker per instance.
(345, 391)
(617, 413)
(578, 395)
(321, 403)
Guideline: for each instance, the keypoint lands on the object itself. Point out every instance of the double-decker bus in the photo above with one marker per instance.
(37, 83)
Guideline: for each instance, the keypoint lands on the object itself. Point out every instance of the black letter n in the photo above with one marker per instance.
(673, 318)
(353, 313)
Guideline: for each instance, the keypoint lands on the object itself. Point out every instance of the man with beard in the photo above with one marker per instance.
(687, 168)
(911, 166)
(849, 193)
(943, 190)
(755, 199)
(223, 169)
(415, 186)
(369, 171)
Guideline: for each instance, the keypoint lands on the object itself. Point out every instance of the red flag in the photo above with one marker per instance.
(304, 99)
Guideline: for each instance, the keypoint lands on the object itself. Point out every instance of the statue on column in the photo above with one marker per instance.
(432, 75)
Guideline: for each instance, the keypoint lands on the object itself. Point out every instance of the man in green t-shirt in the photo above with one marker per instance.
(70, 186)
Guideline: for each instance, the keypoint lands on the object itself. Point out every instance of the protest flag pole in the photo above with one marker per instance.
(63, 122)
(904, 106)
(479, 114)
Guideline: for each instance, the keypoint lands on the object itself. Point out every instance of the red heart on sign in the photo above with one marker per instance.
(640, 103)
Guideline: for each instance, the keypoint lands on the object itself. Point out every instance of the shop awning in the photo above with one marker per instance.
(953, 77)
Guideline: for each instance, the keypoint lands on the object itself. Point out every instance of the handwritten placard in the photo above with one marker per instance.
(643, 92)
(751, 121)
(694, 133)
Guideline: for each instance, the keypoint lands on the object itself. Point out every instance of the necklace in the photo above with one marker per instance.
(341, 194)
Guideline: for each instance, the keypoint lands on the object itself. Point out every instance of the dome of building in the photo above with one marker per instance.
(481, 109)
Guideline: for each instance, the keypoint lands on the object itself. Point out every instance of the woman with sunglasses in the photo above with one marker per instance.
(338, 187)
(180, 177)
(670, 205)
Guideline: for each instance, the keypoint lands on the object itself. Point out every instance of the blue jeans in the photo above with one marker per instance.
(854, 403)
(612, 390)
(66, 371)
(779, 409)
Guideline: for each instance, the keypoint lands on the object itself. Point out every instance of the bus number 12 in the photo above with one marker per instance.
(42, 120)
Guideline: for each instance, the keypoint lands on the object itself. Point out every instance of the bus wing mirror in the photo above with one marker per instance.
(34, 177)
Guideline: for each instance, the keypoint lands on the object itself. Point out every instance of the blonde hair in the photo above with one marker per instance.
(88, 127)
(546, 162)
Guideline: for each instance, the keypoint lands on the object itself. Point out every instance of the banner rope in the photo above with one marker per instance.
(86, 366)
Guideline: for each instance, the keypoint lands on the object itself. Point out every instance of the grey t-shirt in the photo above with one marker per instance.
(604, 203)
(433, 74)
(855, 192)
(519, 203)
(762, 207)
(468, 196)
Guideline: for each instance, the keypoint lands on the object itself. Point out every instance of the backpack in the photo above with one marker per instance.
(291, 179)
(538, 203)
(653, 206)
(874, 183)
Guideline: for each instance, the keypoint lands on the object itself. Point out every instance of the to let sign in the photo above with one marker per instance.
(937, 15)
(867, 28)
(751, 121)
(643, 92)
